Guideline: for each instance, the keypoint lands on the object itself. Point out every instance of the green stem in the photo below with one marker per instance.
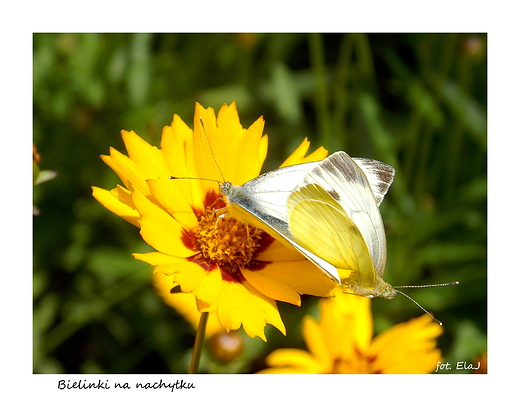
(199, 342)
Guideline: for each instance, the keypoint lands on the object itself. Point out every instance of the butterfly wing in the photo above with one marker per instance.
(349, 186)
(269, 192)
(379, 176)
(320, 225)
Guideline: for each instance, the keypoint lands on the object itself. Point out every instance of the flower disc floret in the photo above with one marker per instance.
(227, 241)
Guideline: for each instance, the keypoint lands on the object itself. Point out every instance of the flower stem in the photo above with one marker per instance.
(199, 342)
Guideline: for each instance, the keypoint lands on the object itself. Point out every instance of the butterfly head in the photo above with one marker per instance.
(388, 292)
(379, 288)
(225, 188)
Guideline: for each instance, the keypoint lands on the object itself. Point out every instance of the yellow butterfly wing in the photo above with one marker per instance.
(344, 180)
(319, 224)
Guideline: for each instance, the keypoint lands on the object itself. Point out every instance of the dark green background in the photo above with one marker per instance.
(415, 101)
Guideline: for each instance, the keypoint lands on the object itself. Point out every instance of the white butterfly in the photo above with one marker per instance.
(328, 211)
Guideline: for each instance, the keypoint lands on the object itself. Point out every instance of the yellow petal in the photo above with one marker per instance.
(108, 200)
(292, 361)
(123, 195)
(148, 158)
(156, 258)
(240, 304)
(172, 195)
(175, 146)
(262, 148)
(302, 276)
(206, 145)
(178, 154)
(161, 231)
(409, 347)
(316, 342)
(346, 323)
(319, 154)
(238, 168)
(298, 156)
(271, 287)
(204, 283)
(130, 174)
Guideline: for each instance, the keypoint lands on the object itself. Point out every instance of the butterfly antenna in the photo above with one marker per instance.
(211, 149)
(423, 286)
(420, 306)
(200, 179)
(427, 285)
(214, 159)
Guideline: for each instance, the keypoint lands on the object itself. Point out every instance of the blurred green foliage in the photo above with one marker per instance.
(415, 101)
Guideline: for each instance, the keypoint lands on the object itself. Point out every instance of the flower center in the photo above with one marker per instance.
(359, 362)
(225, 240)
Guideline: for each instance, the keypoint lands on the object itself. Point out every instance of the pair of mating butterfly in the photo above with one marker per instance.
(328, 211)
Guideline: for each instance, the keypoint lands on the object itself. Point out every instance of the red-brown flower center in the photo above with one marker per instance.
(359, 362)
(225, 240)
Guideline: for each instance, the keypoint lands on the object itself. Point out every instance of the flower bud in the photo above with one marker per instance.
(226, 346)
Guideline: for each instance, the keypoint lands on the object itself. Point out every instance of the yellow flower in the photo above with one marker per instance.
(341, 342)
(234, 270)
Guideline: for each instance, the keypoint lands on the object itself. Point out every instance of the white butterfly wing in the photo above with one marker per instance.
(379, 175)
(349, 185)
(265, 196)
